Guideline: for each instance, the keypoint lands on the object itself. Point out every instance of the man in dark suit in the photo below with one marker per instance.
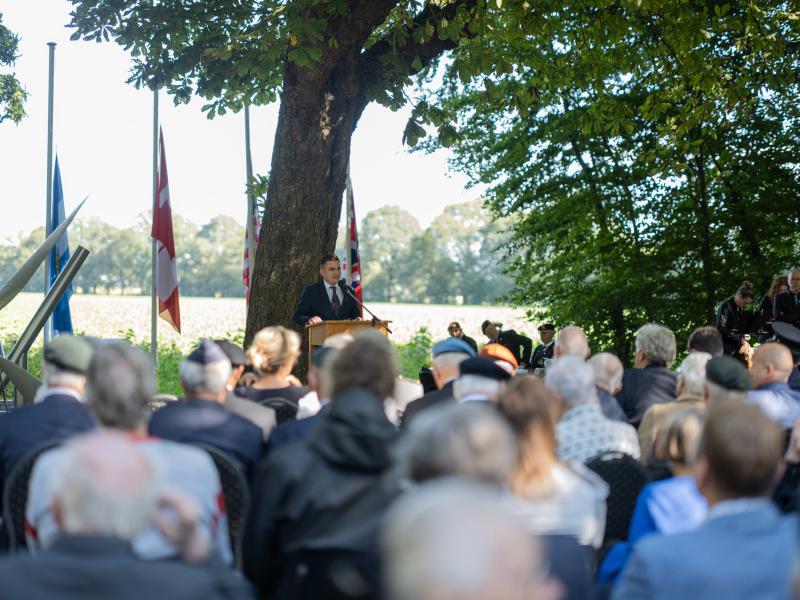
(651, 381)
(447, 356)
(325, 300)
(518, 344)
(107, 493)
(547, 332)
(454, 329)
(787, 305)
(201, 417)
(58, 410)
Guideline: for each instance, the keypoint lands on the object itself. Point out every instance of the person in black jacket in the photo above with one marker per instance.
(454, 329)
(547, 333)
(519, 345)
(320, 502)
(787, 305)
(731, 320)
(326, 300)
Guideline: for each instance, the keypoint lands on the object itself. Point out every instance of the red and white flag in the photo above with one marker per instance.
(256, 230)
(352, 256)
(166, 272)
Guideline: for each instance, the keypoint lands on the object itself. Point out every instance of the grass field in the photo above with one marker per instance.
(109, 316)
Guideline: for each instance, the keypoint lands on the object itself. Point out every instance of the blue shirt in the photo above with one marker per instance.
(778, 401)
(664, 507)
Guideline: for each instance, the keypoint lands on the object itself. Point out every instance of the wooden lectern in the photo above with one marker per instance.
(319, 332)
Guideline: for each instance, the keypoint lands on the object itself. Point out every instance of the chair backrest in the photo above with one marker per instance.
(15, 495)
(330, 573)
(625, 477)
(236, 494)
(285, 410)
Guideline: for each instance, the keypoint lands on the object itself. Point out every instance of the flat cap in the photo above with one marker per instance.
(788, 335)
(452, 345)
(546, 327)
(483, 367)
(235, 354)
(69, 353)
(207, 352)
(729, 373)
(499, 352)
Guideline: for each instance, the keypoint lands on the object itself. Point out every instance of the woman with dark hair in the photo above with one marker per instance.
(765, 309)
(731, 321)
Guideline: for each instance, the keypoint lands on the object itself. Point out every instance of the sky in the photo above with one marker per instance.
(103, 139)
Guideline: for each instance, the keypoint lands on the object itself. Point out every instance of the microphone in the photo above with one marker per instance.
(347, 290)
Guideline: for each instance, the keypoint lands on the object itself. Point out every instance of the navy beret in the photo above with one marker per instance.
(787, 334)
(452, 345)
(483, 367)
(206, 353)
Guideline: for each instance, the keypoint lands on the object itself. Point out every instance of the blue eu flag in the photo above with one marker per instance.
(59, 255)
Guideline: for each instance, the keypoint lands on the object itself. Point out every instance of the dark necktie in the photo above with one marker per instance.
(335, 301)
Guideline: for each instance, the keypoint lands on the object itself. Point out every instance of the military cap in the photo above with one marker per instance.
(483, 367)
(729, 373)
(499, 352)
(235, 354)
(207, 352)
(547, 327)
(452, 345)
(788, 335)
(69, 353)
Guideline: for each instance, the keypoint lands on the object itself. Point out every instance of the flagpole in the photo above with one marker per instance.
(251, 234)
(348, 243)
(153, 247)
(49, 194)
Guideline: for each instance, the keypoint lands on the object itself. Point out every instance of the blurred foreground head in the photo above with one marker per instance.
(107, 487)
(368, 362)
(453, 540)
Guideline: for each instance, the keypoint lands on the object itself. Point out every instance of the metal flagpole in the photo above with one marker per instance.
(251, 201)
(154, 248)
(49, 208)
(348, 243)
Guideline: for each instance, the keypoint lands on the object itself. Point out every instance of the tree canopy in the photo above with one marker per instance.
(12, 94)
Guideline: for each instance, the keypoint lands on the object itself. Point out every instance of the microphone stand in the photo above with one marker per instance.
(346, 289)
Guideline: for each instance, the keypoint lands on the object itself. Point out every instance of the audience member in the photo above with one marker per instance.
(480, 380)
(689, 389)
(766, 315)
(571, 341)
(460, 440)
(745, 548)
(787, 493)
(726, 381)
(706, 339)
(331, 491)
(519, 345)
(551, 497)
(454, 329)
(447, 356)
(651, 382)
(201, 418)
(583, 431)
(671, 505)
(120, 381)
(789, 336)
(543, 353)
(452, 540)
(732, 322)
(319, 378)
(608, 371)
(58, 410)
(501, 356)
(787, 305)
(262, 416)
(106, 493)
(772, 364)
(273, 354)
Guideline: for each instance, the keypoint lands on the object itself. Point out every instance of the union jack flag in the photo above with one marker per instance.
(352, 265)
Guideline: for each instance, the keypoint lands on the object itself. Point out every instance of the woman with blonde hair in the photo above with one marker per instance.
(273, 354)
(551, 497)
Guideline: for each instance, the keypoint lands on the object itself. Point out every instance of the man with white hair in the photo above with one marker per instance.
(583, 431)
(608, 371)
(651, 381)
(201, 418)
(690, 386)
(571, 341)
(453, 540)
(106, 494)
(120, 382)
(58, 411)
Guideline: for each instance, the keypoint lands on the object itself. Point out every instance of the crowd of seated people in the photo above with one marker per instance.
(591, 481)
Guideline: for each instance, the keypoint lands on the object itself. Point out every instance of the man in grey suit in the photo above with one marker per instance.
(745, 549)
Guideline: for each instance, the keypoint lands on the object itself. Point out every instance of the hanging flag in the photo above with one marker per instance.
(351, 244)
(256, 229)
(166, 283)
(59, 255)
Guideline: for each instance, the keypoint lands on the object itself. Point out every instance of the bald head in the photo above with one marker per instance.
(571, 341)
(607, 371)
(771, 362)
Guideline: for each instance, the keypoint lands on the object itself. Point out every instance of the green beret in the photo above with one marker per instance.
(69, 353)
(728, 373)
